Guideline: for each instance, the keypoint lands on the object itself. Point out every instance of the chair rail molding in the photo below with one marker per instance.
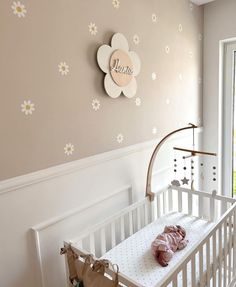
(22, 181)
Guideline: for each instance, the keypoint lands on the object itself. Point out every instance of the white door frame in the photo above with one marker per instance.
(226, 114)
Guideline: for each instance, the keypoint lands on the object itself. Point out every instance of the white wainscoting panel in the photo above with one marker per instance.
(49, 235)
(58, 202)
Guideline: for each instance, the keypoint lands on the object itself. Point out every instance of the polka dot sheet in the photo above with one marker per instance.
(134, 256)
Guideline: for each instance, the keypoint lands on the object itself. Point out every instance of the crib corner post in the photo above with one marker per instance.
(212, 206)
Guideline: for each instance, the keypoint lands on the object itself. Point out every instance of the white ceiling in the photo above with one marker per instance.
(201, 2)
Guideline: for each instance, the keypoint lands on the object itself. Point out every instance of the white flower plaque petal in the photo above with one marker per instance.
(120, 65)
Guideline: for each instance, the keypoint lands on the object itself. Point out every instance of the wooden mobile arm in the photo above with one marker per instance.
(149, 192)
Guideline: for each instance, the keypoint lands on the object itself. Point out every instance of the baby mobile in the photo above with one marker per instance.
(190, 154)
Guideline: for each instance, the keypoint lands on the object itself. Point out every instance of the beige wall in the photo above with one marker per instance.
(57, 31)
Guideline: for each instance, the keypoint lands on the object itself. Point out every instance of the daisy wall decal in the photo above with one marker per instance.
(27, 107)
(136, 39)
(121, 67)
(69, 149)
(191, 6)
(154, 18)
(120, 138)
(138, 101)
(180, 28)
(167, 49)
(93, 29)
(63, 68)
(116, 4)
(18, 9)
(154, 76)
(96, 104)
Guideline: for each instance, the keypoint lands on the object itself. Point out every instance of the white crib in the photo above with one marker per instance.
(210, 222)
(209, 262)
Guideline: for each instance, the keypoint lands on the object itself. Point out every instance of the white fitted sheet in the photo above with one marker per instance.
(134, 256)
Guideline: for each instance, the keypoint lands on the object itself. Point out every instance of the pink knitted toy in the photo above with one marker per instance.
(168, 242)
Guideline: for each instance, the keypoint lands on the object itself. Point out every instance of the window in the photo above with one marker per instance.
(227, 119)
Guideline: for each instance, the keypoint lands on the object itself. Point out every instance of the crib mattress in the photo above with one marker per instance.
(134, 256)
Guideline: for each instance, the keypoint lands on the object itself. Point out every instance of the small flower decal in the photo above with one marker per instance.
(154, 76)
(138, 101)
(167, 49)
(69, 149)
(93, 29)
(121, 67)
(63, 68)
(136, 39)
(18, 9)
(116, 3)
(154, 18)
(154, 130)
(96, 104)
(27, 108)
(180, 28)
(120, 138)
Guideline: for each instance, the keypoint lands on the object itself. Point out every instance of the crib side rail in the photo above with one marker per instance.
(201, 204)
(100, 238)
(216, 251)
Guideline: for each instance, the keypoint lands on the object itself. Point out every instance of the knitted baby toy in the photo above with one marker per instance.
(168, 242)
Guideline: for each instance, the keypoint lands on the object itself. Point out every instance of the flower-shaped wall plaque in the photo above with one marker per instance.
(120, 65)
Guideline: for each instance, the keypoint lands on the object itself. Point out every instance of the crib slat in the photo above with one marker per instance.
(103, 240)
(220, 257)
(122, 228)
(146, 213)
(175, 281)
(164, 203)
(201, 266)
(170, 199)
(158, 206)
(230, 247)
(190, 203)
(91, 243)
(113, 234)
(161, 204)
(208, 260)
(214, 261)
(212, 208)
(180, 207)
(225, 253)
(193, 271)
(200, 212)
(184, 276)
(138, 218)
(131, 230)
